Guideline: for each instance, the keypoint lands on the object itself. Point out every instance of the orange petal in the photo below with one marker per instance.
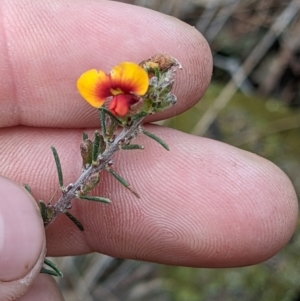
(94, 87)
(130, 77)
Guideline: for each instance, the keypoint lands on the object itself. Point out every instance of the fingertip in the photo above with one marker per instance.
(249, 204)
(280, 206)
(21, 231)
(12, 290)
(104, 33)
(220, 206)
(43, 288)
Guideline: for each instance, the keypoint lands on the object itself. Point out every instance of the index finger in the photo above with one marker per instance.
(49, 44)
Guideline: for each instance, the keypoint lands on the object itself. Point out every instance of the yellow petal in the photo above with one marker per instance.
(94, 86)
(130, 77)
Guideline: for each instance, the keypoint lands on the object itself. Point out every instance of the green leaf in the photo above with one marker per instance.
(54, 269)
(75, 220)
(95, 199)
(122, 181)
(157, 139)
(49, 272)
(27, 187)
(139, 115)
(58, 167)
(96, 144)
(102, 121)
(132, 146)
(43, 209)
(47, 212)
(85, 136)
(112, 116)
(102, 145)
(157, 73)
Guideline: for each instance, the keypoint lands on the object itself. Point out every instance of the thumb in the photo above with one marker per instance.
(22, 240)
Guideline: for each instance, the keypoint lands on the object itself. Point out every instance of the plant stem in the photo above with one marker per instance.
(64, 201)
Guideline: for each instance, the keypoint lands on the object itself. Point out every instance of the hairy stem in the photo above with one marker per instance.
(64, 201)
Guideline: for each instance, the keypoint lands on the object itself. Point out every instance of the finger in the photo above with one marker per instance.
(22, 242)
(49, 45)
(43, 288)
(204, 203)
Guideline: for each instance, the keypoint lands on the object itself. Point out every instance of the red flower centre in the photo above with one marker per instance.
(121, 103)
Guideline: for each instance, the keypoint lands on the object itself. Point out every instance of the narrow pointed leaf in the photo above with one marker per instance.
(54, 268)
(157, 73)
(49, 272)
(27, 187)
(85, 136)
(95, 199)
(157, 139)
(96, 144)
(122, 181)
(58, 167)
(102, 145)
(75, 220)
(102, 121)
(112, 116)
(132, 146)
(43, 209)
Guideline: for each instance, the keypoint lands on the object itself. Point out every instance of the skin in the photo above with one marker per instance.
(203, 204)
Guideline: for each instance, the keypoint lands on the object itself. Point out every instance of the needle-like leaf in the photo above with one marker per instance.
(75, 220)
(54, 269)
(122, 181)
(157, 139)
(95, 199)
(58, 167)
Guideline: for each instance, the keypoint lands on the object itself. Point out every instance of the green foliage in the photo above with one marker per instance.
(58, 167)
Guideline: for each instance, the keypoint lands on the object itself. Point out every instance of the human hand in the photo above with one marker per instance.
(203, 204)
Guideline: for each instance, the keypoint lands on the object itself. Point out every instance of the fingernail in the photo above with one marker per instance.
(21, 231)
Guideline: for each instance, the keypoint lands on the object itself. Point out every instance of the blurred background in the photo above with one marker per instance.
(253, 103)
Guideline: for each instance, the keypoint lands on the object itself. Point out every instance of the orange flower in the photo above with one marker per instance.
(125, 83)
